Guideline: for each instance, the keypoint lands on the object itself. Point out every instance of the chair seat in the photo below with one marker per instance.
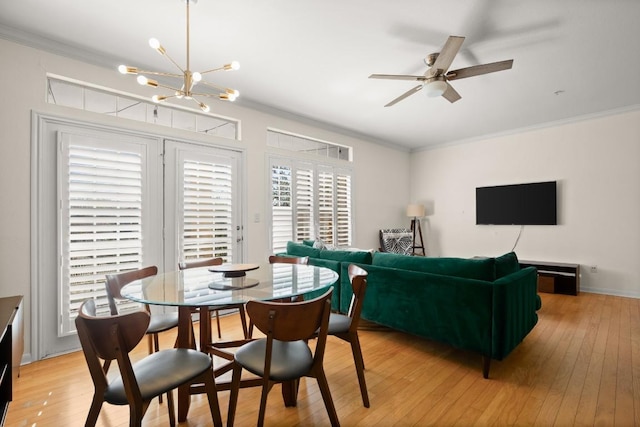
(161, 322)
(290, 360)
(339, 323)
(178, 364)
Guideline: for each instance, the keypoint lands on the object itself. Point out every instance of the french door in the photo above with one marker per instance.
(108, 200)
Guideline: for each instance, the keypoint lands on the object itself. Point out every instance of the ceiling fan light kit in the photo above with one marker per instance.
(435, 80)
(435, 88)
(189, 78)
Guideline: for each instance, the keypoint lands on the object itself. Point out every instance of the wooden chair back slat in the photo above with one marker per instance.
(184, 265)
(273, 259)
(115, 282)
(288, 321)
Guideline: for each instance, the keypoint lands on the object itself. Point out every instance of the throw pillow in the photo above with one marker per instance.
(506, 264)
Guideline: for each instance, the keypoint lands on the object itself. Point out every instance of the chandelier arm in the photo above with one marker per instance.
(212, 70)
(159, 73)
(170, 88)
(223, 89)
(166, 55)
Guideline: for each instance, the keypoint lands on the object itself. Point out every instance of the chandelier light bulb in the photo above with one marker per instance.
(158, 98)
(196, 76)
(235, 65)
(204, 107)
(127, 70)
(154, 43)
(142, 80)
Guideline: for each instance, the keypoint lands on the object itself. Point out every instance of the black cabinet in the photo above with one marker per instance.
(11, 348)
(556, 277)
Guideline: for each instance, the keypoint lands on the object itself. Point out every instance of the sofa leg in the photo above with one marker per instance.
(486, 364)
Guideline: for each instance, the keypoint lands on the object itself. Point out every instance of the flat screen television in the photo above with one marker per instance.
(519, 204)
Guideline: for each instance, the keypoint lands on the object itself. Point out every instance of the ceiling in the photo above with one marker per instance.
(572, 58)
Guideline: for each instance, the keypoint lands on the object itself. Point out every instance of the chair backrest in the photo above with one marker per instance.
(273, 259)
(293, 321)
(358, 279)
(200, 263)
(108, 338)
(115, 282)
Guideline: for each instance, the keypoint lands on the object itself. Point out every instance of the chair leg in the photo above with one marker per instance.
(218, 323)
(243, 320)
(170, 409)
(326, 396)
(155, 342)
(94, 411)
(212, 396)
(233, 395)
(266, 388)
(359, 361)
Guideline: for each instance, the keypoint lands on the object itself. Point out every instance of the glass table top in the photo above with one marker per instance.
(202, 287)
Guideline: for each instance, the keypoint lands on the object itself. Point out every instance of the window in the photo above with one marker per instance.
(309, 201)
(84, 96)
(307, 146)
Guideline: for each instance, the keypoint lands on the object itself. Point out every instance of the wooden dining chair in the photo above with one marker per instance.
(160, 322)
(216, 310)
(279, 259)
(345, 327)
(284, 355)
(273, 259)
(109, 338)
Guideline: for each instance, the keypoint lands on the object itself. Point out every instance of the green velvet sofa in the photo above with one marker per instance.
(485, 305)
(332, 259)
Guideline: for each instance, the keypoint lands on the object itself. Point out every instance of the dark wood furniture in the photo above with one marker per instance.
(556, 277)
(11, 349)
(284, 356)
(108, 338)
(345, 327)
(216, 310)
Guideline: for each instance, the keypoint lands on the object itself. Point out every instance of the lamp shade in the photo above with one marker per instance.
(415, 211)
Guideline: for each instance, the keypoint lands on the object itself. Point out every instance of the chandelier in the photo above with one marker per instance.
(189, 78)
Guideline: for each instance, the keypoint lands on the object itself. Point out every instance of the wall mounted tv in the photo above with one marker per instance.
(520, 204)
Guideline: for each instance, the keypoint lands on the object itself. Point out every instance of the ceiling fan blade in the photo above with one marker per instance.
(446, 55)
(396, 77)
(477, 70)
(450, 94)
(405, 95)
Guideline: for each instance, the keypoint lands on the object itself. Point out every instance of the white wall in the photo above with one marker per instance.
(378, 200)
(597, 165)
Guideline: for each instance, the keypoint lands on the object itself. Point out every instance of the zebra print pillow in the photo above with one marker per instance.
(396, 240)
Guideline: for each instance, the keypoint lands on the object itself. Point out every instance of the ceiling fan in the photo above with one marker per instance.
(436, 79)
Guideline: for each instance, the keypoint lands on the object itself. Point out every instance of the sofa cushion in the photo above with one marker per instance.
(347, 256)
(300, 249)
(506, 264)
(472, 268)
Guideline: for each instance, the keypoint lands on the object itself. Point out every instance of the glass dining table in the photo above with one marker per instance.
(206, 288)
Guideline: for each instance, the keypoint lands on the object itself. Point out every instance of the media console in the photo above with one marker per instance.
(11, 347)
(556, 277)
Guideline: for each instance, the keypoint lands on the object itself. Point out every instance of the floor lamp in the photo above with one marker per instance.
(415, 212)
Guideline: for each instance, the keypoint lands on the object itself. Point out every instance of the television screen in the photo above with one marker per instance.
(520, 204)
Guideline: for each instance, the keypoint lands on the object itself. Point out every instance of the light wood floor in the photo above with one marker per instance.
(579, 366)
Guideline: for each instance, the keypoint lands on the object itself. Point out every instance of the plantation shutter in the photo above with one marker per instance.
(282, 207)
(326, 206)
(343, 209)
(101, 191)
(208, 210)
(304, 202)
(308, 202)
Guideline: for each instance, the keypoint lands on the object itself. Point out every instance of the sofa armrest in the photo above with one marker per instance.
(515, 301)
